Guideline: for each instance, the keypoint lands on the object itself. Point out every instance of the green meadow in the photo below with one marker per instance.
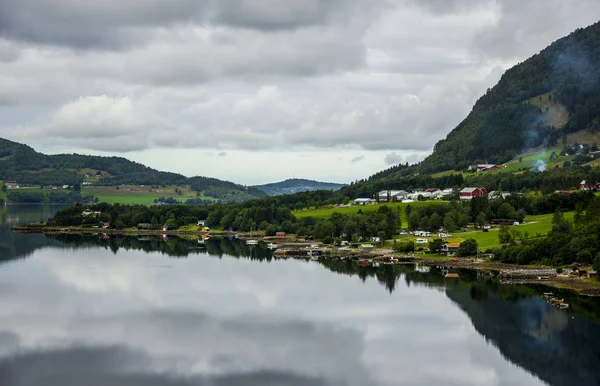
(329, 210)
(534, 225)
(135, 194)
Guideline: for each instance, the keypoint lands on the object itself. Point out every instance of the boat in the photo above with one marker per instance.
(251, 242)
(562, 306)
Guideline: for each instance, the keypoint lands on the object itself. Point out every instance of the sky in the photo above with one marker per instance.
(257, 91)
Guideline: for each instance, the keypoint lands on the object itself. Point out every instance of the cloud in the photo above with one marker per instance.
(357, 159)
(389, 76)
(122, 366)
(100, 123)
(393, 158)
(118, 25)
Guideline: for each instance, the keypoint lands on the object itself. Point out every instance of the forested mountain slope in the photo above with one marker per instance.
(24, 165)
(553, 93)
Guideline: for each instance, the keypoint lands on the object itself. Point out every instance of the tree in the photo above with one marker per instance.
(449, 224)
(435, 221)
(271, 230)
(506, 211)
(504, 235)
(481, 219)
(468, 248)
(597, 264)
(436, 245)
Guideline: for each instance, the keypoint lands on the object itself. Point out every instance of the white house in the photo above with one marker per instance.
(364, 201)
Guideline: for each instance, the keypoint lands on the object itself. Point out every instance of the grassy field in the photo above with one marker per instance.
(132, 194)
(554, 114)
(328, 211)
(534, 225)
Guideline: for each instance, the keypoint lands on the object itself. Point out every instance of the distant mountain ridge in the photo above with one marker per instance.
(21, 163)
(296, 185)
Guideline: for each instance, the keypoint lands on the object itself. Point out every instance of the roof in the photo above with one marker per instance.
(469, 190)
(363, 199)
(367, 245)
(452, 245)
(452, 275)
(486, 165)
(584, 182)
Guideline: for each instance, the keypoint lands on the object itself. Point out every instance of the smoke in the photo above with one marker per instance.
(540, 166)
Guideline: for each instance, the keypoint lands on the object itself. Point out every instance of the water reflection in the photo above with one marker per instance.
(134, 311)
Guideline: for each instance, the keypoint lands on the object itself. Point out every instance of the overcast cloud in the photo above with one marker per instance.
(383, 79)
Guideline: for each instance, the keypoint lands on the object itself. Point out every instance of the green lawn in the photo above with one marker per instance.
(328, 211)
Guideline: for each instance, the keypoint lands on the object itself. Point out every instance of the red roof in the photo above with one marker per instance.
(449, 245)
(452, 275)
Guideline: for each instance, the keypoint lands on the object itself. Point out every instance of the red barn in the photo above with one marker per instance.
(486, 167)
(280, 234)
(469, 193)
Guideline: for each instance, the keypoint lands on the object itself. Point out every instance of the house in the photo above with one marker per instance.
(432, 190)
(50, 187)
(486, 167)
(280, 234)
(65, 186)
(597, 186)
(498, 194)
(450, 249)
(592, 274)
(11, 185)
(105, 224)
(165, 227)
(364, 201)
(469, 193)
(391, 195)
(201, 222)
(376, 239)
(366, 247)
(561, 192)
(583, 185)
(421, 241)
(86, 212)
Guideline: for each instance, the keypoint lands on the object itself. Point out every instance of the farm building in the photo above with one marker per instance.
(486, 167)
(584, 185)
(469, 193)
(364, 201)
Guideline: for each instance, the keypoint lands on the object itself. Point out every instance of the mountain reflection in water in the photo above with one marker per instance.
(170, 311)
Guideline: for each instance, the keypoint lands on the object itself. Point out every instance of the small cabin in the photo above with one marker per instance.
(280, 234)
(592, 274)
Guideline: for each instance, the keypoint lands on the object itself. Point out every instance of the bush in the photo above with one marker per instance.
(328, 240)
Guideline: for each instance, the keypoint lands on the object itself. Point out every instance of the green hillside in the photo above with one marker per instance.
(24, 165)
(537, 102)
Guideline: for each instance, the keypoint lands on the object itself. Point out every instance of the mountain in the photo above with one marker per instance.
(26, 166)
(536, 102)
(296, 185)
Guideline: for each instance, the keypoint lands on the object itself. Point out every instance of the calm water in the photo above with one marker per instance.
(154, 311)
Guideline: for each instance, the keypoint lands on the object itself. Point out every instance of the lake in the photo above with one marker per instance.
(99, 310)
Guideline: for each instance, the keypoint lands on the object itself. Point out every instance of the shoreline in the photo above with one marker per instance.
(290, 246)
